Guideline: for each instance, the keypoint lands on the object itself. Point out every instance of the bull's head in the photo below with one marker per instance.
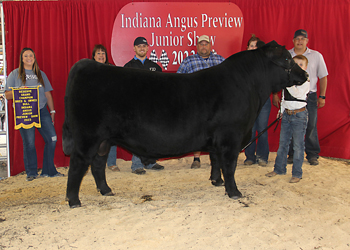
(280, 56)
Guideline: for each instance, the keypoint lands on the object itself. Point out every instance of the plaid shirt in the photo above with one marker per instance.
(195, 63)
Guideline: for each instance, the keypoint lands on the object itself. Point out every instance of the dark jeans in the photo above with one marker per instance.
(48, 133)
(262, 146)
(312, 145)
(112, 157)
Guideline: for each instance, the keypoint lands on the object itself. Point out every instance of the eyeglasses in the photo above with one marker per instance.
(300, 38)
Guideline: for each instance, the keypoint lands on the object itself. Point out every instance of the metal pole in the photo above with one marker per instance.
(5, 78)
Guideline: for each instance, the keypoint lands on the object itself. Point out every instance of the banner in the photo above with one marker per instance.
(26, 107)
(173, 28)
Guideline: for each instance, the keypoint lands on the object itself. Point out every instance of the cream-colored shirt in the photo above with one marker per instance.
(299, 92)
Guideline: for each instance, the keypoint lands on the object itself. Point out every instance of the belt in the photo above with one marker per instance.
(293, 112)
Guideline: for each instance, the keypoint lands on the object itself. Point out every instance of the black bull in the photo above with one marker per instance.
(157, 115)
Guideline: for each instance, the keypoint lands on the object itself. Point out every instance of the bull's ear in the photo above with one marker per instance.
(273, 43)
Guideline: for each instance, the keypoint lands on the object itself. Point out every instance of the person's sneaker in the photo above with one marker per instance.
(139, 171)
(271, 174)
(30, 178)
(248, 162)
(294, 180)
(58, 175)
(262, 163)
(42, 176)
(157, 167)
(196, 164)
(114, 168)
(313, 161)
(290, 160)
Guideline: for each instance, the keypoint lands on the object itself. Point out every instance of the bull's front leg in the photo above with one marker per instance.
(98, 170)
(215, 175)
(77, 169)
(229, 169)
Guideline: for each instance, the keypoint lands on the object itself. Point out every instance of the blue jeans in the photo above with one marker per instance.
(112, 157)
(312, 145)
(48, 133)
(292, 126)
(262, 146)
(136, 163)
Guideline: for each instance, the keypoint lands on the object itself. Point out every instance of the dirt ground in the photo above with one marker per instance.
(178, 208)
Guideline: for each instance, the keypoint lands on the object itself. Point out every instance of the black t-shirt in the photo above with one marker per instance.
(147, 65)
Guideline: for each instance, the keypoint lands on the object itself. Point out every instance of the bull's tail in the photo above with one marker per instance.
(67, 138)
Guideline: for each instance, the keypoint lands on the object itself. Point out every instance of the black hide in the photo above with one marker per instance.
(156, 115)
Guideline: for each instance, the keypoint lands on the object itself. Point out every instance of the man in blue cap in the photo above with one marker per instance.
(140, 61)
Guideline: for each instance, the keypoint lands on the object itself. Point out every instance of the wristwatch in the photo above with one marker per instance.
(322, 96)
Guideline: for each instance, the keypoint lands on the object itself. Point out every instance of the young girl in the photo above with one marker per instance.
(29, 74)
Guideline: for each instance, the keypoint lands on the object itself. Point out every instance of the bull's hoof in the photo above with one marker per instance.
(74, 204)
(217, 183)
(235, 196)
(109, 194)
(105, 191)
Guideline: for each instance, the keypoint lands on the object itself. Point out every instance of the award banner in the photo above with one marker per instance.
(26, 107)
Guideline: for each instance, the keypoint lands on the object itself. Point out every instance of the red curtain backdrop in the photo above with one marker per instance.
(63, 32)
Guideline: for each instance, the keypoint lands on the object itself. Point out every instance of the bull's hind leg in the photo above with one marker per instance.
(228, 169)
(215, 175)
(98, 169)
(77, 169)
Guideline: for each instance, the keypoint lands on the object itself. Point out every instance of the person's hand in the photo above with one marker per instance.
(321, 102)
(53, 118)
(276, 100)
(279, 115)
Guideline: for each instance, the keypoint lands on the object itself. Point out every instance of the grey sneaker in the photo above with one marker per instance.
(157, 167)
(58, 175)
(42, 176)
(196, 164)
(139, 171)
(30, 178)
(262, 163)
(248, 162)
(313, 161)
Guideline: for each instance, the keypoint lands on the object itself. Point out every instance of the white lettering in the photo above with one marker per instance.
(221, 22)
(238, 21)
(181, 22)
(140, 22)
(166, 41)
